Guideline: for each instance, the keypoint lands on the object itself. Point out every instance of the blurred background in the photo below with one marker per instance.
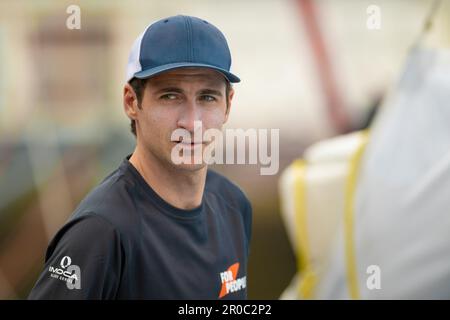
(313, 69)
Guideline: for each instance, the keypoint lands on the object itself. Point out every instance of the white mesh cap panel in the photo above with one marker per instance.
(134, 64)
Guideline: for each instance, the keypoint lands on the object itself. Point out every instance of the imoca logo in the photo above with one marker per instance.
(65, 262)
(67, 272)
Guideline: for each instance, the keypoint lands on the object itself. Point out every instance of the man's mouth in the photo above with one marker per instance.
(190, 145)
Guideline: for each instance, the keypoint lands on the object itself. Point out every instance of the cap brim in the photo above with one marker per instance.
(144, 74)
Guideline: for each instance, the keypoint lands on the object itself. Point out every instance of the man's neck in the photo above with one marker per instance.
(181, 189)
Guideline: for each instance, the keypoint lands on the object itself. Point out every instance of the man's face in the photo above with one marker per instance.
(175, 100)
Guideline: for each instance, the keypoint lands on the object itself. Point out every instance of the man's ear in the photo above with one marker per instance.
(130, 102)
(230, 98)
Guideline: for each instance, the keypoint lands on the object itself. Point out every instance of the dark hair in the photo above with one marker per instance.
(139, 85)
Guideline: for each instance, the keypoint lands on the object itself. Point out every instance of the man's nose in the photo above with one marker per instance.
(189, 115)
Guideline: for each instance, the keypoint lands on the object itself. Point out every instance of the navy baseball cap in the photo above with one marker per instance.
(177, 42)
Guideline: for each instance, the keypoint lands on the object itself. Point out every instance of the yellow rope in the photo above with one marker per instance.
(308, 276)
(350, 254)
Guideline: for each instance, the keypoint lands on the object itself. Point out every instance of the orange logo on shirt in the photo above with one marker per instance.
(230, 283)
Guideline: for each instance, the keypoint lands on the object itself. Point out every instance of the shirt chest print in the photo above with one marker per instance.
(230, 282)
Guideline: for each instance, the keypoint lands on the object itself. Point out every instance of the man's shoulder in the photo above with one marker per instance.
(82, 230)
(224, 188)
(230, 194)
(111, 200)
(106, 193)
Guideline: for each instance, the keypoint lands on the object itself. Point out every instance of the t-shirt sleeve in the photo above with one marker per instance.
(248, 214)
(83, 261)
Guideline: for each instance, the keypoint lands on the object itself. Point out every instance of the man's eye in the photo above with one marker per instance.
(208, 98)
(169, 96)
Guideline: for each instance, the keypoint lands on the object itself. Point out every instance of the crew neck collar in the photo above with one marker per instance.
(163, 204)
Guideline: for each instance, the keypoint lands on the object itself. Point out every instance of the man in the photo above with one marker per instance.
(154, 229)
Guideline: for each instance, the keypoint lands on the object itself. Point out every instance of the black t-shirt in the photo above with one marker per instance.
(125, 242)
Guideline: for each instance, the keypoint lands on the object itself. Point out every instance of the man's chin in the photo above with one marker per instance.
(191, 167)
(192, 161)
